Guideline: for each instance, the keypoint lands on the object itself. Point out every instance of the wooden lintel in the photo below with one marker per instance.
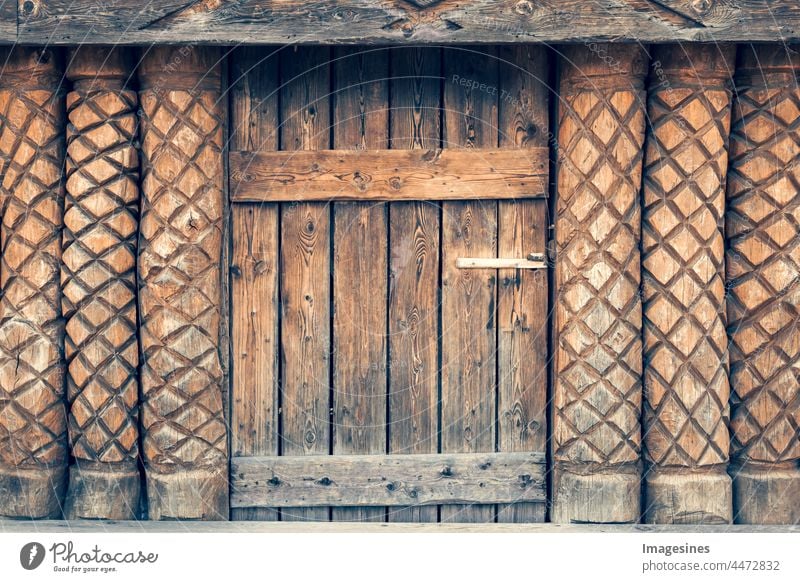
(387, 480)
(382, 21)
(375, 175)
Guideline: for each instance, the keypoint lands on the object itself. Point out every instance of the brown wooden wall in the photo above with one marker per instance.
(408, 283)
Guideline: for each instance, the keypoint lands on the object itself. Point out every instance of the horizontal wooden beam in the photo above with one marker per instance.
(388, 175)
(401, 21)
(387, 480)
(109, 526)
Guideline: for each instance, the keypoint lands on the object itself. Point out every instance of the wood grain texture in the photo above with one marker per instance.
(522, 295)
(389, 175)
(98, 275)
(763, 273)
(597, 389)
(468, 320)
(254, 120)
(185, 437)
(683, 250)
(375, 21)
(391, 480)
(305, 269)
(33, 429)
(360, 294)
(8, 22)
(414, 229)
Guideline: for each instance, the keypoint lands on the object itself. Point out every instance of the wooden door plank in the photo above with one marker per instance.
(522, 295)
(414, 270)
(375, 21)
(361, 121)
(391, 480)
(469, 229)
(254, 270)
(389, 175)
(305, 270)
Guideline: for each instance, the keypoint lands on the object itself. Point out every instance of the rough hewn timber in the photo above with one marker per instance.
(469, 297)
(305, 276)
(522, 295)
(33, 430)
(598, 390)
(763, 269)
(360, 257)
(683, 250)
(390, 480)
(254, 126)
(98, 276)
(388, 175)
(415, 108)
(185, 449)
(381, 21)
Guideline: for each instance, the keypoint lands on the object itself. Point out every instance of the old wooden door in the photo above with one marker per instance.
(375, 376)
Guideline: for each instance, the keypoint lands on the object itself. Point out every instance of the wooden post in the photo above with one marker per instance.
(33, 443)
(185, 448)
(598, 366)
(99, 279)
(763, 269)
(685, 342)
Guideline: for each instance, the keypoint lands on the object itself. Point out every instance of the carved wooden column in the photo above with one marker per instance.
(685, 341)
(598, 307)
(99, 278)
(763, 268)
(185, 448)
(33, 435)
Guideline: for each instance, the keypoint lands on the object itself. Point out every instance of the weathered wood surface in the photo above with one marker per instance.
(98, 275)
(360, 21)
(185, 440)
(305, 278)
(468, 304)
(763, 271)
(33, 428)
(598, 318)
(254, 125)
(73, 527)
(500, 263)
(390, 480)
(389, 175)
(414, 228)
(683, 250)
(522, 296)
(8, 22)
(360, 286)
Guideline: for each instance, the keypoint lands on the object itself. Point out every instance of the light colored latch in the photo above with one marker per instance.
(532, 261)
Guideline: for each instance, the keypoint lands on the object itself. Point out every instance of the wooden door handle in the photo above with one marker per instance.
(532, 261)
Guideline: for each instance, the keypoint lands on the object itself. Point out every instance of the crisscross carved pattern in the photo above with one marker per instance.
(686, 353)
(181, 242)
(599, 314)
(32, 411)
(99, 275)
(763, 266)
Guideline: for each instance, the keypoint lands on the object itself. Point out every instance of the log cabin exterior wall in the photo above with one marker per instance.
(357, 332)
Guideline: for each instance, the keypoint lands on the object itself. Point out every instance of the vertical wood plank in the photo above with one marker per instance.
(414, 271)
(469, 229)
(361, 121)
(685, 411)
(305, 270)
(522, 295)
(254, 271)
